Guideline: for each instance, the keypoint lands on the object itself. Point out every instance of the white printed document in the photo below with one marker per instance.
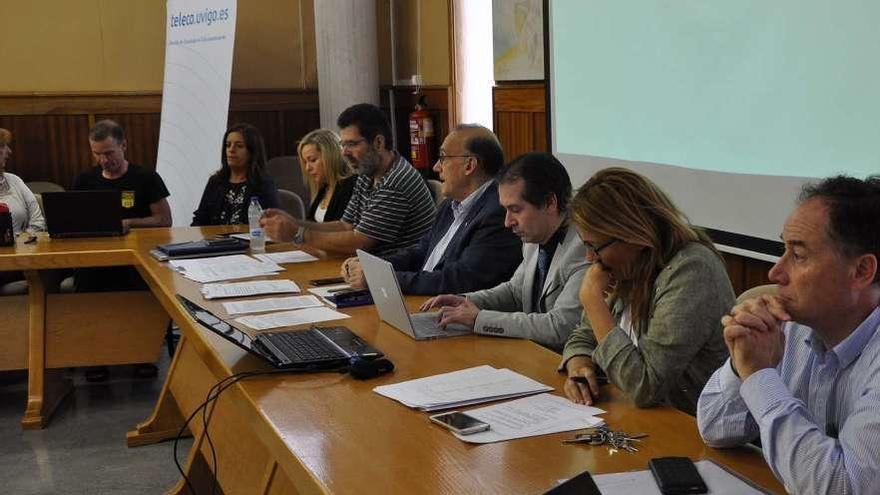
(461, 388)
(530, 417)
(291, 318)
(252, 288)
(286, 257)
(204, 270)
(328, 290)
(718, 480)
(270, 304)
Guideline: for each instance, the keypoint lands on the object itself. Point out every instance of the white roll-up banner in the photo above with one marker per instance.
(200, 37)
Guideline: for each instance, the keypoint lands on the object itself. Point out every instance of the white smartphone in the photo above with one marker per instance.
(460, 422)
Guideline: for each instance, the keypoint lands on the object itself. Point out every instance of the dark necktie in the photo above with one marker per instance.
(543, 266)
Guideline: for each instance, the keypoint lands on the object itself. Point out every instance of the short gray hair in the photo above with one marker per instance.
(107, 128)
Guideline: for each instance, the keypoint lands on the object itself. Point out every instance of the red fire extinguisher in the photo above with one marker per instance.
(421, 135)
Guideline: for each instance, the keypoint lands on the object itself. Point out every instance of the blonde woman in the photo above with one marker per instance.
(653, 298)
(329, 177)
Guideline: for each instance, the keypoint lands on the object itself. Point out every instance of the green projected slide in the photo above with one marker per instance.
(768, 87)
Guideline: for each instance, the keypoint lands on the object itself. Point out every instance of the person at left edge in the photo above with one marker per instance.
(144, 204)
(242, 175)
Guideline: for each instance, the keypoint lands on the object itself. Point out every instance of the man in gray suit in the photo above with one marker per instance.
(541, 301)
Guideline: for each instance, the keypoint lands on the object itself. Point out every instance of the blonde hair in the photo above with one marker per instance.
(5, 136)
(335, 167)
(624, 205)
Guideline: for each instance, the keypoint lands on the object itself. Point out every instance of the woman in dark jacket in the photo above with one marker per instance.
(242, 176)
(328, 175)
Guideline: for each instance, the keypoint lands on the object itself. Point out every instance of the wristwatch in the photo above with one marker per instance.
(300, 237)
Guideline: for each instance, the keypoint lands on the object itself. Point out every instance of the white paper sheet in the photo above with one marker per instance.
(291, 318)
(270, 304)
(219, 268)
(287, 257)
(251, 288)
(462, 387)
(531, 416)
(717, 479)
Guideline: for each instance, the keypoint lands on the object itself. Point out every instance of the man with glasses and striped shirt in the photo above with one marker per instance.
(391, 206)
(804, 367)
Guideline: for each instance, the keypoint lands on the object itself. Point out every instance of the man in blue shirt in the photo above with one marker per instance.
(804, 371)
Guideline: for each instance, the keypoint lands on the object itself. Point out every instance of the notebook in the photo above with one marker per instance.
(83, 213)
(310, 349)
(389, 301)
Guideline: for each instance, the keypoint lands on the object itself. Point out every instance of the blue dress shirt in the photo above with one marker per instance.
(817, 413)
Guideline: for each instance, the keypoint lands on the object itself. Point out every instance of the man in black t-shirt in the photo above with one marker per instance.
(144, 204)
(143, 191)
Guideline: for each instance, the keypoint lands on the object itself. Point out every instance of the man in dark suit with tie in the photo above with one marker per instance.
(468, 247)
(540, 302)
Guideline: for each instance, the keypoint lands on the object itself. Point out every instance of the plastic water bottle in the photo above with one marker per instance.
(258, 237)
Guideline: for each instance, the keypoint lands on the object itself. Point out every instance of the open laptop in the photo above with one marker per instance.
(388, 299)
(314, 348)
(83, 213)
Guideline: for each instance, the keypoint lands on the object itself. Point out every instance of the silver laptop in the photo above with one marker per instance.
(388, 299)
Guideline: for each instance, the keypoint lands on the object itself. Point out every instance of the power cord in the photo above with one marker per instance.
(207, 408)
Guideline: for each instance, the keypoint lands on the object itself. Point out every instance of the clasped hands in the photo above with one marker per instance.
(453, 309)
(753, 334)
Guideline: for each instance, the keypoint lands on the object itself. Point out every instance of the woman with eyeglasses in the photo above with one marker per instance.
(653, 297)
(242, 175)
(329, 177)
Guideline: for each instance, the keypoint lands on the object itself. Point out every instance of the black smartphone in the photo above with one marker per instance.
(327, 281)
(582, 484)
(677, 475)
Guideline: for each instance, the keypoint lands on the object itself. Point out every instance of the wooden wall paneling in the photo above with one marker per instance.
(267, 123)
(298, 123)
(520, 118)
(756, 273)
(141, 134)
(735, 271)
(50, 141)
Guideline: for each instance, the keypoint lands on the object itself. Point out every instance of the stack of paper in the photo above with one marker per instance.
(270, 304)
(219, 268)
(252, 288)
(291, 318)
(286, 257)
(461, 388)
(530, 417)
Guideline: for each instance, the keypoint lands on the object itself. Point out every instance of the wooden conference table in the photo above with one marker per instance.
(329, 433)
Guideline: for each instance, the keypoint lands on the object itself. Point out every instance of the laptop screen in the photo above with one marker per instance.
(83, 212)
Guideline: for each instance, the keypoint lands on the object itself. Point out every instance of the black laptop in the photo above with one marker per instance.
(314, 348)
(83, 213)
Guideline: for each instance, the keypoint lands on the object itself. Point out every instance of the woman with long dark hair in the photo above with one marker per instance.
(242, 175)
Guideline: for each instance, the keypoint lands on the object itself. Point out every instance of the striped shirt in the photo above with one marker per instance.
(817, 412)
(396, 211)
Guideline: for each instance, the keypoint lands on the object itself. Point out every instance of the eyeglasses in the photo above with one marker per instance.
(442, 158)
(347, 145)
(595, 250)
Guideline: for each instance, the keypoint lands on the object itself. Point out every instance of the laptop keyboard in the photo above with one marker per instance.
(425, 325)
(304, 346)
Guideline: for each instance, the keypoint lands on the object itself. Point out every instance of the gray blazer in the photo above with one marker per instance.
(683, 344)
(504, 309)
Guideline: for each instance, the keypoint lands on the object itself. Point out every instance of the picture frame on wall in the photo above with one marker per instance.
(518, 40)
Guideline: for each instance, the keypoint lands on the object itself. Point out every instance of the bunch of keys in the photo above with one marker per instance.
(601, 435)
